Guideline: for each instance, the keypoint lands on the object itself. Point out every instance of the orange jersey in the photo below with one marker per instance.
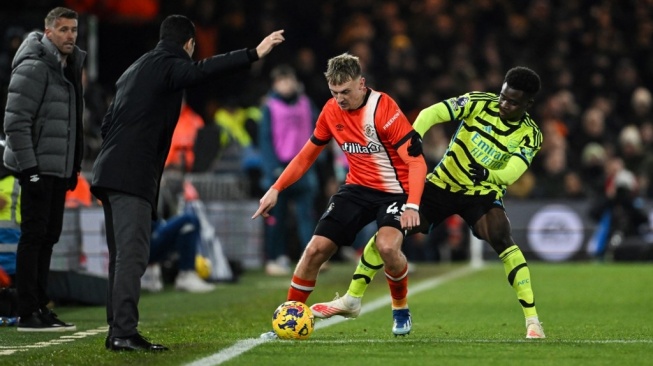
(370, 138)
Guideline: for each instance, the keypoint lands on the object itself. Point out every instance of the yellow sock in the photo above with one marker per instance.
(519, 278)
(369, 263)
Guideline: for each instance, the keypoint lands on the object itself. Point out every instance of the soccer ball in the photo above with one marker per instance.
(293, 320)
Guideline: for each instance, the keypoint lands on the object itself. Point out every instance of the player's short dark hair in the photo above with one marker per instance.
(177, 29)
(524, 79)
(59, 12)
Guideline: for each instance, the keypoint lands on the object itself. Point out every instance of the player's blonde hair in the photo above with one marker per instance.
(343, 68)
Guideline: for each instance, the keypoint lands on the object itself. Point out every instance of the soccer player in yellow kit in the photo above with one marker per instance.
(494, 145)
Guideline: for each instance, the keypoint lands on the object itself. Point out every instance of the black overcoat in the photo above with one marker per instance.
(137, 129)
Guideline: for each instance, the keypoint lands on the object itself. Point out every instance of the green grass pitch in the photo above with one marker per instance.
(592, 313)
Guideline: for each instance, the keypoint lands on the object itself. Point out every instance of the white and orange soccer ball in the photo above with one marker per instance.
(293, 320)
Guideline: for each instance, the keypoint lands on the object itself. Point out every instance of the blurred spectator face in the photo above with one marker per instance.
(593, 155)
(286, 86)
(518, 26)
(573, 184)
(646, 133)
(641, 101)
(364, 53)
(630, 140)
(593, 122)
(305, 60)
(555, 162)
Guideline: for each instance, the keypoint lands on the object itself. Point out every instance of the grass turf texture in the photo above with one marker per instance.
(593, 314)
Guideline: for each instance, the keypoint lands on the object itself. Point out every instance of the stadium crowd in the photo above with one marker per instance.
(595, 59)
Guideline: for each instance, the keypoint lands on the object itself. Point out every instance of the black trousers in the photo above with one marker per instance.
(128, 224)
(42, 219)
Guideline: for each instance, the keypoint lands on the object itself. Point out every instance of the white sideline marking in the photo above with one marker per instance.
(245, 345)
(453, 340)
(8, 350)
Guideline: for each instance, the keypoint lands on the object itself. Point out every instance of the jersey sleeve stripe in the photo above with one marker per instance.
(524, 159)
(452, 116)
(318, 142)
(404, 139)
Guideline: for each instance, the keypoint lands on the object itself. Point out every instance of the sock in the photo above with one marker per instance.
(519, 278)
(300, 289)
(369, 263)
(398, 288)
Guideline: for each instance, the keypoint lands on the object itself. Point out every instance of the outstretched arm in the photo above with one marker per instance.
(268, 43)
(297, 167)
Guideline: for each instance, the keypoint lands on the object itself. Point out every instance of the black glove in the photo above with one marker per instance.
(478, 172)
(31, 181)
(29, 175)
(415, 147)
(72, 182)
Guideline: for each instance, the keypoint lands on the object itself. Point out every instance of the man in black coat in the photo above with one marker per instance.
(137, 132)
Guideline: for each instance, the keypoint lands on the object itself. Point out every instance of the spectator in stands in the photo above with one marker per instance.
(630, 149)
(592, 129)
(175, 231)
(182, 148)
(592, 168)
(9, 220)
(621, 209)
(81, 195)
(12, 39)
(96, 102)
(288, 121)
(641, 104)
(178, 234)
(573, 186)
(44, 128)
(137, 132)
(550, 183)
(238, 126)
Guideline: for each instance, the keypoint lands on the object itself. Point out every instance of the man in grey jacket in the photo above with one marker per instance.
(43, 128)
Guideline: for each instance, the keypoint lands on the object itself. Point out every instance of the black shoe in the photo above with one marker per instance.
(50, 317)
(36, 322)
(134, 343)
(107, 340)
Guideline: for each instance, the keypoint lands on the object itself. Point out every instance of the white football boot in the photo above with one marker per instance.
(347, 306)
(534, 328)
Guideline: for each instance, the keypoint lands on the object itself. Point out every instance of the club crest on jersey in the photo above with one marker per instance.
(458, 102)
(369, 131)
(356, 148)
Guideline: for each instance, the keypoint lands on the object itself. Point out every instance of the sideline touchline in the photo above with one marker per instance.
(245, 345)
(9, 350)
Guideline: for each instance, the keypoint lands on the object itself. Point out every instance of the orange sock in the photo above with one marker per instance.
(300, 289)
(398, 288)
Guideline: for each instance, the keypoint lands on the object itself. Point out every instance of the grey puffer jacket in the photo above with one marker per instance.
(43, 117)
